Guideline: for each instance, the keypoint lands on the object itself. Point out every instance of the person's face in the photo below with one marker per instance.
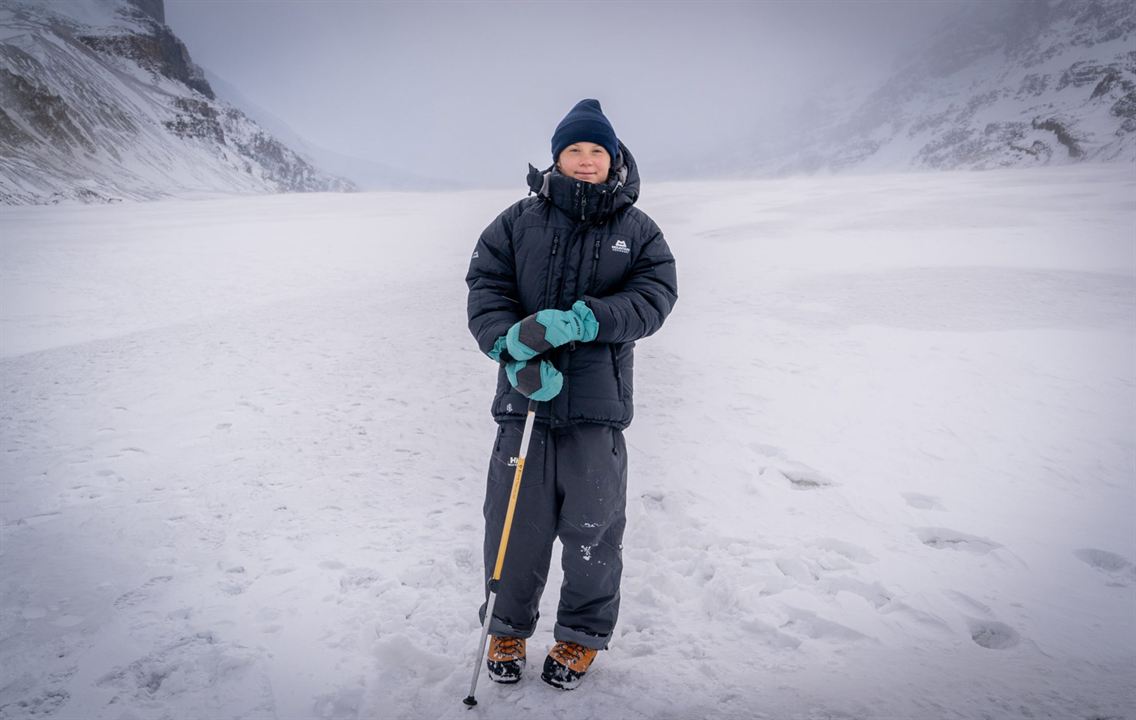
(585, 161)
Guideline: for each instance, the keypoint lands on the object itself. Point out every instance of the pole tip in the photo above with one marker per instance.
(471, 701)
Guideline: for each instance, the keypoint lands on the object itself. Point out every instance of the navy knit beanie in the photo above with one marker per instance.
(585, 123)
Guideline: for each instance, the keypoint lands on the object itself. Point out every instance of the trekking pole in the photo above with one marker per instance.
(526, 436)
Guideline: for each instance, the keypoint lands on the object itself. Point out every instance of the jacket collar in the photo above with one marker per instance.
(587, 202)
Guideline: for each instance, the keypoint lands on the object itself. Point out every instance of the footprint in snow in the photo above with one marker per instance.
(654, 499)
(44, 704)
(920, 501)
(346, 703)
(968, 603)
(140, 594)
(847, 550)
(992, 635)
(806, 623)
(770, 451)
(358, 579)
(806, 480)
(38, 518)
(235, 581)
(399, 658)
(945, 539)
(198, 665)
(984, 631)
(800, 476)
(768, 634)
(797, 569)
(1115, 566)
(874, 593)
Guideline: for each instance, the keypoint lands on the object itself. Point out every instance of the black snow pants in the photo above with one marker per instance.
(574, 487)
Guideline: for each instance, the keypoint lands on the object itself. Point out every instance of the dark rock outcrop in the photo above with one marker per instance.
(48, 113)
(153, 9)
(1064, 136)
(197, 119)
(159, 51)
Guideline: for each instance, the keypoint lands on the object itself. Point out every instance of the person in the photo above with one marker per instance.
(561, 286)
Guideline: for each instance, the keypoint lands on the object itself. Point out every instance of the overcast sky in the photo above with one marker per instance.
(473, 90)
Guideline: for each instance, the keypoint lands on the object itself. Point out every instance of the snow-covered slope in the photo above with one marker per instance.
(100, 101)
(1003, 84)
(881, 467)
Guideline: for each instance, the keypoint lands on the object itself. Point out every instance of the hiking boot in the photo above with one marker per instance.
(506, 659)
(566, 664)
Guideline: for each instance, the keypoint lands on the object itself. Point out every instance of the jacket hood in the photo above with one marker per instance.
(589, 202)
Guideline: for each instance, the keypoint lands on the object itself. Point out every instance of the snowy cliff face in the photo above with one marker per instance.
(1004, 84)
(100, 101)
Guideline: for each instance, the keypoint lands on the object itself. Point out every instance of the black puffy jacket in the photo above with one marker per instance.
(575, 240)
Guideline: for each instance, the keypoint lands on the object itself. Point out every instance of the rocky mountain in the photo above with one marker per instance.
(100, 101)
(1004, 83)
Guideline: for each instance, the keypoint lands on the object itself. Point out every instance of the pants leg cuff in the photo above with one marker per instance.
(588, 640)
(500, 628)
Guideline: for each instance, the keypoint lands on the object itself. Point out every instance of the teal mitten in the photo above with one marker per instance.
(549, 329)
(535, 380)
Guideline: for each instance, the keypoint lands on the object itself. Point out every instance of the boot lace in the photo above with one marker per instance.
(569, 653)
(509, 646)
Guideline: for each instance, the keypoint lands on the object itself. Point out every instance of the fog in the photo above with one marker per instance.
(471, 91)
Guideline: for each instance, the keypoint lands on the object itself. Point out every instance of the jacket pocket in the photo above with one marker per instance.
(506, 456)
(615, 369)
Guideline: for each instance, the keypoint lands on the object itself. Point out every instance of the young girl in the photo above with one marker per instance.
(561, 285)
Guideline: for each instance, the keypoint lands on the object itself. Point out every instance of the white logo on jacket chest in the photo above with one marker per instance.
(620, 246)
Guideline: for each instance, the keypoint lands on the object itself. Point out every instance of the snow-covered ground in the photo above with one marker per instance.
(883, 466)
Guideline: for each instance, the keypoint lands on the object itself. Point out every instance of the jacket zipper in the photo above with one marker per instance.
(551, 267)
(595, 266)
(563, 273)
